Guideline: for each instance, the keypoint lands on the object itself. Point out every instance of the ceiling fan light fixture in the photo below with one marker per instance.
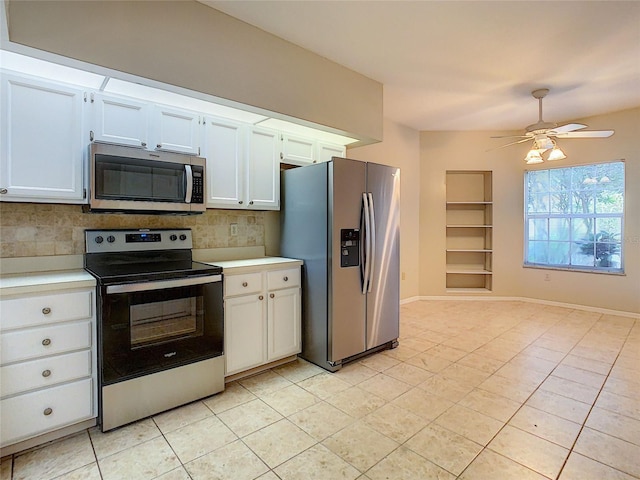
(533, 157)
(556, 154)
(542, 142)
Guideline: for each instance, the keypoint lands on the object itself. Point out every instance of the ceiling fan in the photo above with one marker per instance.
(544, 134)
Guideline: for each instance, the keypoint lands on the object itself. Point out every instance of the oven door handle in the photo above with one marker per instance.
(162, 284)
(189, 189)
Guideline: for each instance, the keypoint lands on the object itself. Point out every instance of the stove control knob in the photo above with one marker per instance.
(111, 239)
(173, 238)
(183, 237)
(99, 239)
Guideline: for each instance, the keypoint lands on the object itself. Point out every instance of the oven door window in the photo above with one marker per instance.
(148, 331)
(159, 320)
(137, 179)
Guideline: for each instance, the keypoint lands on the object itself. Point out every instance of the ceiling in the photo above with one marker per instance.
(456, 65)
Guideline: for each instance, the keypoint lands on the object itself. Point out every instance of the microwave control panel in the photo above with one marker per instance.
(197, 195)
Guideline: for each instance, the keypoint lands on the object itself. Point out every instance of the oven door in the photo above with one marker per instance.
(153, 326)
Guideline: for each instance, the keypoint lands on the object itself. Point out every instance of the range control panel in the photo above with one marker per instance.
(99, 241)
(349, 247)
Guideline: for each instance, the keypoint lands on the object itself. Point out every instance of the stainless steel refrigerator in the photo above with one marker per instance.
(342, 218)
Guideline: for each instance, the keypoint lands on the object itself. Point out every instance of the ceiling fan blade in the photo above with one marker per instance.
(510, 136)
(509, 144)
(586, 134)
(569, 127)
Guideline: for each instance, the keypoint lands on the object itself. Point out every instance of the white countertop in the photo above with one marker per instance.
(34, 282)
(24, 283)
(252, 264)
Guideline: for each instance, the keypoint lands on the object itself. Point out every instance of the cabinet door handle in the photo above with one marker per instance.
(46, 310)
(240, 202)
(46, 373)
(286, 279)
(144, 144)
(251, 202)
(272, 295)
(245, 284)
(3, 191)
(48, 411)
(159, 145)
(46, 342)
(261, 297)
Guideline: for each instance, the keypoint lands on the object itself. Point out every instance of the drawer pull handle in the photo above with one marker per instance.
(261, 297)
(286, 279)
(48, 411)
(46, 342)
(46, 373)
(272, 295)
(245, 284)
(46, 310)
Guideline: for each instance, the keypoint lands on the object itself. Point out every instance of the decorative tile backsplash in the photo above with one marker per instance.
(37, 229)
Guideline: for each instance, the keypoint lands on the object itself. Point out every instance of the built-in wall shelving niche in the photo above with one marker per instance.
(469, 249)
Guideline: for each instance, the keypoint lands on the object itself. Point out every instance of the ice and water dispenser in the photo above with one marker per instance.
(350, 247)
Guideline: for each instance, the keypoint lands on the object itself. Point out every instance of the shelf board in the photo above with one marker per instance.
(468, 250)
(468, 271)
(468, 290)
(469, 226)
(469, 203)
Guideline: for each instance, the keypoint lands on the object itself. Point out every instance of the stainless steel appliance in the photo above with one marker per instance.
(343, 219)
(133, 179)
(160, 322)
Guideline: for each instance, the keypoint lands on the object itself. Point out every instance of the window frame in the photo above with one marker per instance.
(569, 216)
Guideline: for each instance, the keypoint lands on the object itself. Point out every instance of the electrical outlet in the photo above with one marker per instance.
(234, 229)
(547, 278)
(403, 275)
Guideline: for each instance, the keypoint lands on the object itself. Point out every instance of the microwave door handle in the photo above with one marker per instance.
(189, 192)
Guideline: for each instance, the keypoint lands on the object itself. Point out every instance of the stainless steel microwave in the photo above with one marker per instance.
(127, 179)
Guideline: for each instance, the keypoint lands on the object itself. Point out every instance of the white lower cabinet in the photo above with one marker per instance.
(245, 333)
(262, 317)
(283, 319)
(47, 363)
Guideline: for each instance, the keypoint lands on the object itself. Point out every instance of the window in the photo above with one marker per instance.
(574, 217)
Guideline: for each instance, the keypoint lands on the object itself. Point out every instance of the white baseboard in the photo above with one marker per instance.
(574, 306)
(409, 300)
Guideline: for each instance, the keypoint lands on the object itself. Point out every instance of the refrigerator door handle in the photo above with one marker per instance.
(372, 240)
(367, 244)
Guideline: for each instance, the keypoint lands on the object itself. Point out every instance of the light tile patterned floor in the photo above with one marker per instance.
(477, 390)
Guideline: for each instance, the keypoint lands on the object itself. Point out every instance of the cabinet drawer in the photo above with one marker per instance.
(43, 309)
(38, 412)
(38, 342)
(283, 278)
(242, 284)
(44, 372)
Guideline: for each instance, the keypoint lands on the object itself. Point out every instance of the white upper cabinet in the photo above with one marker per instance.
(42, 141)
(263, 174)
(121, 121)
(223, 147)
(176, 130)
(305, 151)
(298, 150)
(327, 150)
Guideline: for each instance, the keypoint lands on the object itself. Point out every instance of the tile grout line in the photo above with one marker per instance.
(595, 400)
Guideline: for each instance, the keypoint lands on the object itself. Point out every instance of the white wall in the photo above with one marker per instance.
(400, 148)
(442, 151)
(191, 45)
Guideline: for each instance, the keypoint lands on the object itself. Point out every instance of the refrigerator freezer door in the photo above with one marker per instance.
(383, 301)
(304, 235)
(347, 304)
